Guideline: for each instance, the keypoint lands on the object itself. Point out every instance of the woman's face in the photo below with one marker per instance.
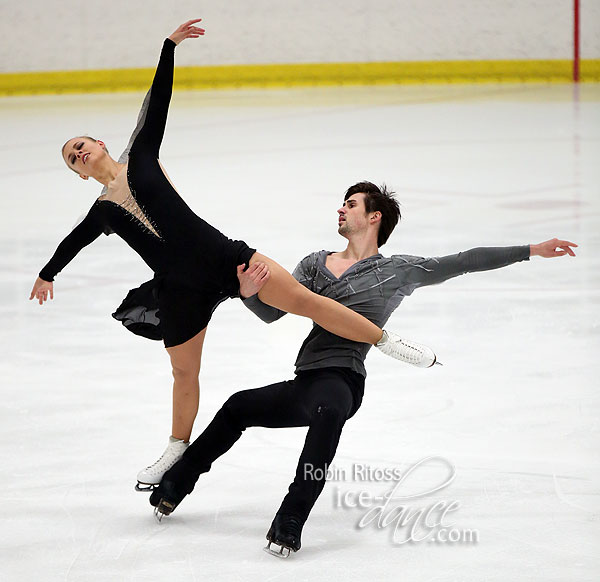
(82, 155)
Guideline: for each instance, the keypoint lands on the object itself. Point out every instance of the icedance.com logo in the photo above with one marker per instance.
(410, 509)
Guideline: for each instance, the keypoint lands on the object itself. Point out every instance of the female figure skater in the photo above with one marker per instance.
(195, 265)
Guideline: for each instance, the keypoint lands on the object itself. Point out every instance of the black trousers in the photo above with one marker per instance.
(321, 399)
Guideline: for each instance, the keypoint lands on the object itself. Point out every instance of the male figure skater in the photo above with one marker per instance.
(328, 386)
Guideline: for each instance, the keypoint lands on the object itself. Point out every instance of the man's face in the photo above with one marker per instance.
(352, 216)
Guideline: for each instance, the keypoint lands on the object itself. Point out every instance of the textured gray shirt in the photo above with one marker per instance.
(374, 287)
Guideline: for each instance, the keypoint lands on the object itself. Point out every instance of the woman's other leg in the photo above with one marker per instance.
(185, 361)
(284, 292)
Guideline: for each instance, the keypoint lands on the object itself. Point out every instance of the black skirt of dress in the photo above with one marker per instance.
(176, 306)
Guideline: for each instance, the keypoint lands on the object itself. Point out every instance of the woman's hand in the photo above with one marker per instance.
(187, 30)
(253, 279)
(41, 289)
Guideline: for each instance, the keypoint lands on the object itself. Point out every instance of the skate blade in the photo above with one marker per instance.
(145, 487)
(158, 515)
(282, 553)
(164, 508)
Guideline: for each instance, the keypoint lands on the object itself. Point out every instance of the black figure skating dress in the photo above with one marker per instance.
(194, 263)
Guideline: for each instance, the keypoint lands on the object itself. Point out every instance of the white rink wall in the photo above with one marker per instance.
(52, 35)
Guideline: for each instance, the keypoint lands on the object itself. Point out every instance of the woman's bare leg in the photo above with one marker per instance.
(285, 293)
(185, 360)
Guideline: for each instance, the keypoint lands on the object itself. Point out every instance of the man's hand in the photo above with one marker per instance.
(253, 279)
(549, 248)
(41, 289)
(187, 30)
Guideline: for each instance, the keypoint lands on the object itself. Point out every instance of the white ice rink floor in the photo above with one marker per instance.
(515, 409)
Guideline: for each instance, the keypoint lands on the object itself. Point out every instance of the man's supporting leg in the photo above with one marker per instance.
(333, 396)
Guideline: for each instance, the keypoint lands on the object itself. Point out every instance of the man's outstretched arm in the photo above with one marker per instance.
(417, 272)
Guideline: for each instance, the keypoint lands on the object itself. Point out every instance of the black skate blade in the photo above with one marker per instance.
(145, 487)
(283, 552)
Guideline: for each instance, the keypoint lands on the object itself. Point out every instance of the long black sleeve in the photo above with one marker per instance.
(151, 133)
(82, 235)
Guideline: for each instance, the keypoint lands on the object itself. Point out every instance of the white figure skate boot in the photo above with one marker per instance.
(406, 350)
(149, 477)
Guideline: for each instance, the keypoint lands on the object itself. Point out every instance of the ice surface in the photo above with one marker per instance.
(515, 409)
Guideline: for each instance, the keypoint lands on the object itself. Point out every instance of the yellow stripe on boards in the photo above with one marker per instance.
(298, 75)
(590, 70)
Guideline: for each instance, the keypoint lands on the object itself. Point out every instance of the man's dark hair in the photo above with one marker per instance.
(382, 200)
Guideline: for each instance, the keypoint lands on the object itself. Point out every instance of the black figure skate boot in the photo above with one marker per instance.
(176, 483)
(285, 532)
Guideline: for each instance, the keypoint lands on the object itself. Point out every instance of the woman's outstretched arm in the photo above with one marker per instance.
(82, 235)
(151, 133)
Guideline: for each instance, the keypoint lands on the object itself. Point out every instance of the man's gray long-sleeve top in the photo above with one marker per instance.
(374, 287)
